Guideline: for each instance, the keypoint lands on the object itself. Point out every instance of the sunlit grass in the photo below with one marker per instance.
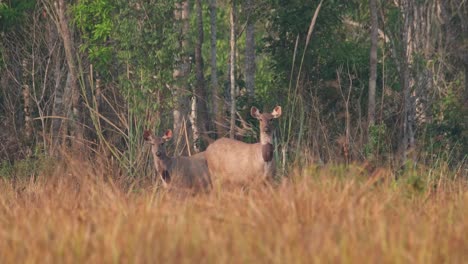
(82, 215)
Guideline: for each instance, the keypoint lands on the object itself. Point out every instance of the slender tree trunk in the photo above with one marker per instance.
(98, 94)
(26, 92)
(57, 109)
(68, 43)
(232, 20)
(250, 51)
(98, 104)
(465, 103)
(424, 19)
(217, 103)
(194, 121)
(373, 65)
(58, 86)
(180, 74)
(407, 138)
(466, 84)
(200, 91)
(464, 54)
(62, 94)
(463, 15)
(66, 102)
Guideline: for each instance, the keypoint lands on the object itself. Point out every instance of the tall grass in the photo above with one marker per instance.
(292, 127)
(81, 213)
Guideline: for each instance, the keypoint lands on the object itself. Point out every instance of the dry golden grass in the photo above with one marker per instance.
(80, 215)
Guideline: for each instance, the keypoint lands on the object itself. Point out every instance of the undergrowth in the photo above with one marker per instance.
(82, 212)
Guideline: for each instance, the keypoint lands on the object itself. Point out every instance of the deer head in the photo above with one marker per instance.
(266, 129)
(161, 161)
(266, 119)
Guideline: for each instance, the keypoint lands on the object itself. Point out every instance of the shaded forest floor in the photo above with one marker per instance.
(80, 214)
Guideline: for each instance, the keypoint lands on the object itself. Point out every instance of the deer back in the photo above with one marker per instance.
(238, 162)
(235, 161)
(185, 172)
(190, 172)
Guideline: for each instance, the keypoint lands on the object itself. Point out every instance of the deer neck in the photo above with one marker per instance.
(267, 146)
(164, 164)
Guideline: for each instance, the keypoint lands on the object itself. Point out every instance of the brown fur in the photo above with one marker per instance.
(233, 161)
(180, 172)
(267, 152)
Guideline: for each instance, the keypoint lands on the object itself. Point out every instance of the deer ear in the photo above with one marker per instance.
(254, 112)
(276, 112)
(167, 135)
(147, 135)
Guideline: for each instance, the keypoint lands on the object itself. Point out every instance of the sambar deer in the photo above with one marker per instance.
(180, 172)
(233, 161)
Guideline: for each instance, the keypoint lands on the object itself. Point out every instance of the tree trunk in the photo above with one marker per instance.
(180, 75)
(200, 91)
(66, 102)
(68, 43)
(217, 103)
(466, 84)
(98, 107)
(407, 138)
(194, 121)
(463, 15)
(232, 69)
(423, 16)
(58, 86)
(26, 92)
(465, 97)
(250, 52)
(373, 65)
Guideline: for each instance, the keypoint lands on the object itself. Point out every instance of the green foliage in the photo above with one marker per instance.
(136, 45)
(416, 178)
(12, 15)
(120, 37)
(376, 145)
(146, 47)
(267, 88)
(446, 137)
(6, 169)
(332, 51)
(94, 19)
(27, 167)
(412, 179)
(291, 19)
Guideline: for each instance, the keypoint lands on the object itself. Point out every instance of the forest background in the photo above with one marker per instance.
(371, 146)
(379, 82)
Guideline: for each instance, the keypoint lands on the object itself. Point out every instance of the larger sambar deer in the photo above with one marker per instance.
(233, 161)
(179, 172)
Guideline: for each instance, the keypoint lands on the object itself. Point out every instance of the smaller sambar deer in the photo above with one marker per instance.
(180, 172)
(234, 161)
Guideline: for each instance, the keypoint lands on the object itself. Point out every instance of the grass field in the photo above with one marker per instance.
(329, 215)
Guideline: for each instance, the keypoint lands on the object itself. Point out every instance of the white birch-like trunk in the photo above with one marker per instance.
(180, 74)
(68, 44)
(372, 64)
(250, 52)
(232, 20)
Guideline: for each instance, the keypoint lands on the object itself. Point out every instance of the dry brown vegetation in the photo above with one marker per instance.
(80, 214)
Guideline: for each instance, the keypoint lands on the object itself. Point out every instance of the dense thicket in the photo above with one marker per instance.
(88, 76)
